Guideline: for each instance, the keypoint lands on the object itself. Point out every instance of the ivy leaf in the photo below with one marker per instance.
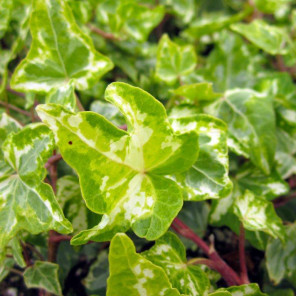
(231, 64)
(270, 6)
(60, 51)
(208, 177)
(271, 39)
(245, 290)
(197, 92)
(258, 214)
(251, 125)
(173, 60)
(214, 22)
(281, 258)
(72, 203)
(64, 95)
(5, 267)
(269, 186)
(129, 18)
(26, 202)
(109, 111)
(170, 254)
(121, 173)
(183, 8)
(132, 274)
(7, 125)
(43, 275)
(285, 153)
(5, 12)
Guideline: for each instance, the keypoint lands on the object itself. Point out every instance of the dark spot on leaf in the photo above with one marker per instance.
(70, 142)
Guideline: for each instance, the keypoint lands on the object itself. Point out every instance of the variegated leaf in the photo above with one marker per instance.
(134, 275)
(129, 18)
(121, 173)
(243, 290)
(173, 60)
(43, 275)
(169, 253)
(271, 39)
(251, 125)
(208, 177)
(60, 51)
(258, 214)
(25, 201)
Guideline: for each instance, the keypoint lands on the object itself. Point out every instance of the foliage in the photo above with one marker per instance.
(123, 121)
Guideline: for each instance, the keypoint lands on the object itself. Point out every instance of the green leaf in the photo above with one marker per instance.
(281, 258)
(258, 214)
(271, 39)
(197, 92)
(96, 279)
(208, 177)
(251, 125)
(43, 275)
(127, 17)
(72, 203)
(132, 274)
(5, 267)
(285, 153)
(121, 173)
(269, 186)
(16, 250)
(26, 203)
(173, 60)
(271, 6)
(214, 22)
(7, 125)
(184, 9)
(64, 95)
(244, 290)
(232, 63)
(280, 292)
(5, 12)
(109, 111)
(60, 51)
(170, 254)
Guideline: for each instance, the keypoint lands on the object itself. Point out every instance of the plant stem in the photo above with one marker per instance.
(14, 108)
(105, 35)
(229, 275)
(242, 256)
(208, 262)
(59, 238)
(55, 158)
(16, 271)
(34, 250)
(78, 102)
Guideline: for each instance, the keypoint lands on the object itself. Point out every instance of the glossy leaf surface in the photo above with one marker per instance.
(173, 60)
(132, 274)
(251, 125)
(60, 51)
(43, 275)
(26, 202)
(170, 254)
(208, 177)
(121, 172)
(269, 38)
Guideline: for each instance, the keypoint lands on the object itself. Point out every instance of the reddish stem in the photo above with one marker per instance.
(242, 256)
(229, 275)
(102, 33)
(14, 108)
(55, 158)
(59, 238)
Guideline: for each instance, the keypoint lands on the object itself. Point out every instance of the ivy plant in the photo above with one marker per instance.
(147, 147)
